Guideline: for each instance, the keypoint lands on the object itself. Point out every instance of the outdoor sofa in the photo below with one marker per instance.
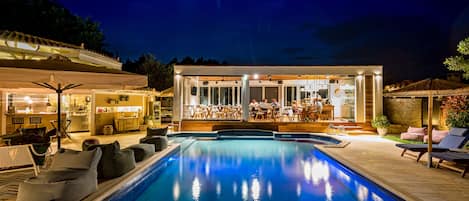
(71, 177)
(456, 139)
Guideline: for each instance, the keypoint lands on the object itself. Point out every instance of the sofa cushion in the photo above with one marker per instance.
(416, 130)
(439, 132)
(73, 159)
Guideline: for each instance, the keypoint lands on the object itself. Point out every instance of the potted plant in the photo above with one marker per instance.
(381, 123)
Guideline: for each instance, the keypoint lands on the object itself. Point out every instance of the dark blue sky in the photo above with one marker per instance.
(400, 34)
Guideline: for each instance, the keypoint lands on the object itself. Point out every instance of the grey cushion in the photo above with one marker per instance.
(62, 184)
(459, 131)
(160, 142)
(115, 162)
(62, 175)
(72, 159)
(142, 151)
(157, 131)
(41, 192)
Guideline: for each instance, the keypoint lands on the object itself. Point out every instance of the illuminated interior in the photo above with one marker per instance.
(272, 98)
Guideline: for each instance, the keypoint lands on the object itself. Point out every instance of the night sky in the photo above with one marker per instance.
(410, 38)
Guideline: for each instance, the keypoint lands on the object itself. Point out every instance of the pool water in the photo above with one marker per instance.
(258, 170)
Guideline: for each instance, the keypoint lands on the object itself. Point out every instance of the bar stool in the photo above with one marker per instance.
(17, 121)
(35, 120)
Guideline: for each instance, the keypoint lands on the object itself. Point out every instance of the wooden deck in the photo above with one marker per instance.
(315, 127)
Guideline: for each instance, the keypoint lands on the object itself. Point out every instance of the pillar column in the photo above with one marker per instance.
(360, 98)
(178, 98)
(377, 94)
(245, 93)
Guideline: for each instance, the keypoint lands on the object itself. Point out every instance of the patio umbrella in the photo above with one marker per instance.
(58, 87)
(428, 88)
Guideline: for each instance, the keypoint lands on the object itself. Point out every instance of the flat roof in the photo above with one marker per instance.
(58, 66)
(230, 70)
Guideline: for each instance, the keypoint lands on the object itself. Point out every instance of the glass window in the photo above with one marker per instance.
(204, 95)
(271, 93)
(236, 96)
(256, 93)
(226, 97)
(214, 95)
(290, 95)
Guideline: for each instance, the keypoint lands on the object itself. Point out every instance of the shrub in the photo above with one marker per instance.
(380, 121)
(457, 108)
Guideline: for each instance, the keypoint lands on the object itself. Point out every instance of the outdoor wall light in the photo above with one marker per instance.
(359, 77)
(245, 77)
(256, 76)
(177, 76)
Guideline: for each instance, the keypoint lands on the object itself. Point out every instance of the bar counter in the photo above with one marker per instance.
(46, 118)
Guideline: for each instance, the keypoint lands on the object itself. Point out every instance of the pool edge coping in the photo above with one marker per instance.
(369, 175)
(114, 186)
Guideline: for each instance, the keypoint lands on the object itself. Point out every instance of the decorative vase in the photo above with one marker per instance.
(382, 131)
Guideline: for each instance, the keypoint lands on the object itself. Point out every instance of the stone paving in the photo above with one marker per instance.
(379, 159)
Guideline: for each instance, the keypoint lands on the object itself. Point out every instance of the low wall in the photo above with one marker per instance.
(404, 111)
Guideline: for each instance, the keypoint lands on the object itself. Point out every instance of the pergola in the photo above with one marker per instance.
(430, 88)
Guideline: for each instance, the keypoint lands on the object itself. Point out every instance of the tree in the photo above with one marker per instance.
(460, 62)
(160, 76)
(49, 19)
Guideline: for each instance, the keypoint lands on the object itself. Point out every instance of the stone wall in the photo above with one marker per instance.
(404, 111)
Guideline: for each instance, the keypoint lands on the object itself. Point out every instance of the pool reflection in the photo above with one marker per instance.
(270, 170)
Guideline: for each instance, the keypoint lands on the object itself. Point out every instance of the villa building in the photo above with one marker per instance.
(107, 95)
(298, 97)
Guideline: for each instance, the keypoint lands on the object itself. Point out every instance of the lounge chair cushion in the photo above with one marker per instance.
(452, 141)
(459, 131)
(457, 157)
(72, 159)
(422, 147)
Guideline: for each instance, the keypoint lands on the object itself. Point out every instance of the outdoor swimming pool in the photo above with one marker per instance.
(256, 170)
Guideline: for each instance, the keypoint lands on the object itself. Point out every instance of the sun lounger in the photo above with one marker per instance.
(460, 158)
(456, 139)
(16, 158)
